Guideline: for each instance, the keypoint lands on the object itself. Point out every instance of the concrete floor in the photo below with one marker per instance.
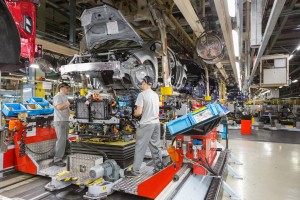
(270, 170)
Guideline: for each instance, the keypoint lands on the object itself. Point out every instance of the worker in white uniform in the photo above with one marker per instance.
(148, 129)
(61, 122)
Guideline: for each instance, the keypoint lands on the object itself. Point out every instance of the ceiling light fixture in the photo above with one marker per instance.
(291, 56)
(238, 70)
(280, 86)
(240, 84)
(235, 39)
(298, 48)
(231, 7)
(265, 92)
(295, 81)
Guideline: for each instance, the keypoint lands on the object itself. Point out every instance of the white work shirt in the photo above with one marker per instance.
(149, 101)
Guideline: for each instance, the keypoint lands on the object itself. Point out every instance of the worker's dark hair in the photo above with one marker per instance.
(63, 84)
(148, 80)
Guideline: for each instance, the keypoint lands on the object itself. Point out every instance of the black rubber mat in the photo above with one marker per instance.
(289, 137)
(123, 155)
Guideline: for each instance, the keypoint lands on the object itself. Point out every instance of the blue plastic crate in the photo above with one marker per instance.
(41, 101)
(203, 114)
(179, 124)
(220, 109)
(47, 109)
(13, 109)
(122, 103)
(33, 109)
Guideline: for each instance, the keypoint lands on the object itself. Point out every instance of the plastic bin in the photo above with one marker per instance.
(41, 101)
(122, 103)
(166, 90)
(179, 124)
(13, 109)
(205, 113)
(220, 109)
(47, 109)
(33, 109)
(246, 124)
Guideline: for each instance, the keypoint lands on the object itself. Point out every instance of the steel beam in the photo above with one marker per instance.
(247, 46)
(72, 30)
(190, 15)
(180, 32)
(275, 13)
(56, 47)
(226, 26)
(288, 12)
(284, 20)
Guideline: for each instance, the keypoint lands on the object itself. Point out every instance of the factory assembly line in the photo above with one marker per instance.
(98, 163)
(102, 133)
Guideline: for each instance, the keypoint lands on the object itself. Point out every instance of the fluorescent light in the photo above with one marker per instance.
(295, 81)
(265, 92)
(34, 66)
(235, 39)
(298, 48)
(231, 7)
(238, 70)
(291, 56)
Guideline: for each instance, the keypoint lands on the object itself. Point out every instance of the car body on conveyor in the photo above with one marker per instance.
(116, 55)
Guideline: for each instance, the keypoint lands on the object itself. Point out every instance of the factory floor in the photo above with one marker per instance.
(270, 170)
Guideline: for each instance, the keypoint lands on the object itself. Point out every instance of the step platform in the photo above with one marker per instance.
(46, 168)
(130, 184)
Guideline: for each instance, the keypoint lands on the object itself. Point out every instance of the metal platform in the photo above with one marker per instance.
(46, 147)
(46, 168)
(129, 185)
(199, 186)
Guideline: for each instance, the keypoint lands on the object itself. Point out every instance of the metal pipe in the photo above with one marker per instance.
(226, 26)
(165, 63)
(275, 13)
(283, 22)
(159, 19)
(207, 81)
(203, 8)
(72, 31)
(247, 46)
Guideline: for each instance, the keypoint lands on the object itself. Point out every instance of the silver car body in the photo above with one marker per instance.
(117, 68)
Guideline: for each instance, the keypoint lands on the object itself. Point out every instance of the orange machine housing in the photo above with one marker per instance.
(25, 163)
(200, 149)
